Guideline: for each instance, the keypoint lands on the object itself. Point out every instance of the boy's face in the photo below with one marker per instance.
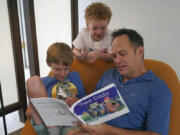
(59, 71)
(97, 29)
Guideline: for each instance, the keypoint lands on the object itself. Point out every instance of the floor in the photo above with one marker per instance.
(12, 120)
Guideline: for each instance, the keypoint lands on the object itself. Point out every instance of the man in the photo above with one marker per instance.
(147, 97)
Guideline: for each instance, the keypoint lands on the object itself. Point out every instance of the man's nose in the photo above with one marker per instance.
(118, 59)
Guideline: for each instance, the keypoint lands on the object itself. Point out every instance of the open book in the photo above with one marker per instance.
(98, 107)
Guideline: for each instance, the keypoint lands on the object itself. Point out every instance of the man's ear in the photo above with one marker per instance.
(140, 51)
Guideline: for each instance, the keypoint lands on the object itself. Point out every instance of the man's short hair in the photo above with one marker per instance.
(97, 11)
(134, 37)
(59, 52)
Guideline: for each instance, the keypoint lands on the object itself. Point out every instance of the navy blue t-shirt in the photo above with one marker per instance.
(49, 82)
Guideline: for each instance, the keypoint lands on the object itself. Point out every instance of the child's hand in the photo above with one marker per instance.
(82, 56)
(71, 100)
(79, 54)
(92, 56)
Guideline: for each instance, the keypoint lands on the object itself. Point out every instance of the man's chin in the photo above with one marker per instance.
(122, 72)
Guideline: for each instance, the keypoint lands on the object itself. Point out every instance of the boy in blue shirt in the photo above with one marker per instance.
(63, 83)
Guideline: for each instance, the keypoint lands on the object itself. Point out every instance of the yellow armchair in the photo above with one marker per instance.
(91, 72)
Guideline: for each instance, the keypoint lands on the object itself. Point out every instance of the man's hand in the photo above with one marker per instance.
(100, 129)
(104, 129)
(71, 100)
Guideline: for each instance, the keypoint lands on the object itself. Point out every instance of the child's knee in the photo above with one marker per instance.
(33, 80)
(33, 84)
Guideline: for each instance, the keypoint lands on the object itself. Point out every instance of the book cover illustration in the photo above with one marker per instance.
(100, 106)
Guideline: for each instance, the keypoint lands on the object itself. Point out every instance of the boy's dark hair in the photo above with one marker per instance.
(134, 37)
(98, 11)
(59, 52)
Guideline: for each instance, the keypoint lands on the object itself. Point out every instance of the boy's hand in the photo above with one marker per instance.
(82, 56)
(79, 54)
(92, 56)
(71, 100)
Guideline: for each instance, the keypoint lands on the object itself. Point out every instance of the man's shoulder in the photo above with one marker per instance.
(111, 72)
(156, 80)
(158, 85)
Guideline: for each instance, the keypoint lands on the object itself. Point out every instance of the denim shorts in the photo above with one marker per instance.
(42, 129)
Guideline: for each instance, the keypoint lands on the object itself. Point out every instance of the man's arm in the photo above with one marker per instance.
(104, 129)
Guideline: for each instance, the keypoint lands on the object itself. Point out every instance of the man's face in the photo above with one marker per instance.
(59, 71)
(97, 29)
(125, 58)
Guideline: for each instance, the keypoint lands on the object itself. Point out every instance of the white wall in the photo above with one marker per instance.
(53, 24)
(157, 21)
(7, 69)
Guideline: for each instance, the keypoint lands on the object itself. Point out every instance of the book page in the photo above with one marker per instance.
(54, 112)
(100, 106)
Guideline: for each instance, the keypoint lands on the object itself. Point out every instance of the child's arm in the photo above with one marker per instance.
(79, 55)
(92, 56)
(77, 52)
(71, 100)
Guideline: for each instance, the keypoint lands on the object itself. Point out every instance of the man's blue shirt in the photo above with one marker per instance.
(148, 99)
(49, 82)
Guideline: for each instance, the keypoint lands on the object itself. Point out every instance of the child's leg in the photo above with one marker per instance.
(35, 89)
(40, 129)
(65, 129)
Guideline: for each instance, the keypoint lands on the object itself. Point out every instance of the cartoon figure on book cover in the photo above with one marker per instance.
(97, 110)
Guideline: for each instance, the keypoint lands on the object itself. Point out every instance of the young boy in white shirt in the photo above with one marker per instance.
(94, 41)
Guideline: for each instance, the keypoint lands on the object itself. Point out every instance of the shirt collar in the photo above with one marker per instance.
(148, 76)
